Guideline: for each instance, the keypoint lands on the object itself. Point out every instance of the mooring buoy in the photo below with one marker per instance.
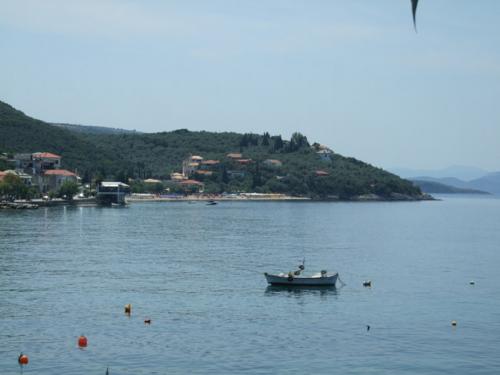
(82, 341)
(23, 359)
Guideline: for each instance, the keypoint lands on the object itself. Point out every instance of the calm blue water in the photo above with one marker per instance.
(196, 271)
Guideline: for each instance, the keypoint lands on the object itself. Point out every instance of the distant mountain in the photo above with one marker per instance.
(433, 187)
(464, 173)
(450, 181)
(489, 183)
(89, 129)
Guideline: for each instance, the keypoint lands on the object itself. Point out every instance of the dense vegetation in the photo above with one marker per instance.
(12, 187)
(20, 133)
(125, 155)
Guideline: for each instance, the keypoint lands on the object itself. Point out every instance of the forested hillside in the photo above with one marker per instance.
(144, 155)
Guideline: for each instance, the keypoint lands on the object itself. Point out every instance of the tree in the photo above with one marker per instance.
(265, 139)
(12, 187)
(68, 189)
(225, 176)
(256, 177)
(277, 143)
(297, 142)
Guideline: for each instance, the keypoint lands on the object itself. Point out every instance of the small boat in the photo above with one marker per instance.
(211, 203)
(322, 278)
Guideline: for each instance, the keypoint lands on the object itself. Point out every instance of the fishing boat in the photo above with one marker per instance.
(291, 278)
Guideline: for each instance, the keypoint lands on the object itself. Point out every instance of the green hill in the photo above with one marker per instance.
(144, 155)
(21, 133)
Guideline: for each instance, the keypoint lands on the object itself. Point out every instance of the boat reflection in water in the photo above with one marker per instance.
(301, 290)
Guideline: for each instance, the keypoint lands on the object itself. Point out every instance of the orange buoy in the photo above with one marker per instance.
(23, 359)
(82, 341)
(128, 309)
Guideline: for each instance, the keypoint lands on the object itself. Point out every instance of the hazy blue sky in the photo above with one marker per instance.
(350, 74)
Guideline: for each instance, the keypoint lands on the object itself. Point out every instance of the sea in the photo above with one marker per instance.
(196, 272)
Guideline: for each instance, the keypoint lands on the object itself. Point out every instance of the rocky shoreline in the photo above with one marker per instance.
(250, 197)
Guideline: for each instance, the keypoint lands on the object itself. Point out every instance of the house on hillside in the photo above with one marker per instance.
(209, 164)
(202, 172)
(152, 181)
(191, 164)
(244, 161)
(320, 173)
(54, 178)
(273, 163)
(192, 186)
(175, 176)
(24, 162)
(26, 178)
(43, 161)
(42, 169)
(234, 156)
(324, 153)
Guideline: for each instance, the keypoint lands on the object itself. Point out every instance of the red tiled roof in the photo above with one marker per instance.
(210, 162)
(321, 173)
(46, 155)
(59, 172)
(5, 173)
(244, 161)
(191, 182)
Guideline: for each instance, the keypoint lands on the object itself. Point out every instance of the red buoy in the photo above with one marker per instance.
(23, 359)
(82, 341)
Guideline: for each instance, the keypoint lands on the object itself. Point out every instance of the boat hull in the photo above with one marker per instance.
(328, 280)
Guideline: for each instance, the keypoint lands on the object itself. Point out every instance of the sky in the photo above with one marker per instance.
(351, 74)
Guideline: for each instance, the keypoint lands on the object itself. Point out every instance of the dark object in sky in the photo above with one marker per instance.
(414, 4)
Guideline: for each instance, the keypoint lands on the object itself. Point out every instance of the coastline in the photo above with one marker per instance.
(256, 197)
(243, 197)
